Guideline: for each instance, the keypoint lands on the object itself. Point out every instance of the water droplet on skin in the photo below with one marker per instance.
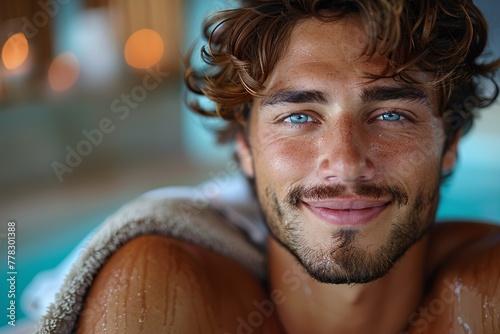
(458, 294)
(143, 311)
(464, 325)
(458, 288)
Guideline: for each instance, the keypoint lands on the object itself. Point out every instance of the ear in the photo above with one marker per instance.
(244, 154)
(450, 156)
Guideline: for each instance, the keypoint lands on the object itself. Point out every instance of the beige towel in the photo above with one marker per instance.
(178, 218)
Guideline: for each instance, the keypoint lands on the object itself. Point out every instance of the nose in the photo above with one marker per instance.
(344, 154)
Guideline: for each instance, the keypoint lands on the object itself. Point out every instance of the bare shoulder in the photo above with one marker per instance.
(155, 284)
(464, 290)
(448, 238)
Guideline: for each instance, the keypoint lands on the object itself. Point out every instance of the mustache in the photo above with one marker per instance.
(396, 194)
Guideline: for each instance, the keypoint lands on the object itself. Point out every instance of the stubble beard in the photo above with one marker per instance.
(342, 260)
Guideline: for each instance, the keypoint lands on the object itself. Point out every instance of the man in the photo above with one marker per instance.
(338, 109)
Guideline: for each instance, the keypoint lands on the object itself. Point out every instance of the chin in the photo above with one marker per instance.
(345, 261)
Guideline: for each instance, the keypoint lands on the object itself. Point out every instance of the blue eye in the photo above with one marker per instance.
(391, 116)
(298, 119)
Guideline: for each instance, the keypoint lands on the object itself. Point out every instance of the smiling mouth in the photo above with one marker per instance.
(347, 212)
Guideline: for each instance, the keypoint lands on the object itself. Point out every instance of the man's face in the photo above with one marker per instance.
(347, 170)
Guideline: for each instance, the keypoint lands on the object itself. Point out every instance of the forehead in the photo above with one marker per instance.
(345, 38)
(328, 45)
(323, 52)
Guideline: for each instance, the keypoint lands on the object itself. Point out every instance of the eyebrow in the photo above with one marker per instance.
(368, 95)
(294, 96)
(402, 93)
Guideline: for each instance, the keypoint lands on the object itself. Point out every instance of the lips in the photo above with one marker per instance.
(347, 212)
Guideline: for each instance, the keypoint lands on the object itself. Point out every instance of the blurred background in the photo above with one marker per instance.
(92, 115)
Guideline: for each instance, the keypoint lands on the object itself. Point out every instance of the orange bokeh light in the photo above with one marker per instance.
(15, 51)
(144, 48)
(64, 71)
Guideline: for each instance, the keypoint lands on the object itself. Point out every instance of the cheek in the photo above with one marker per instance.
(410, 157)
(284, 160)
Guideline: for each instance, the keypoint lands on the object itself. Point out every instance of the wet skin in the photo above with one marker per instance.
(347, 173)
(154, 284)
(347, 170)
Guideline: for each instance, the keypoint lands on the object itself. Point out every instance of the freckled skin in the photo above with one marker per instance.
(345, 141)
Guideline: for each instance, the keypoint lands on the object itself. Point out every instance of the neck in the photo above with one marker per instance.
(383, 306)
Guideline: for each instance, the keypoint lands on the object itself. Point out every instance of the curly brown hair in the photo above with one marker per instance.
(444, 37)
